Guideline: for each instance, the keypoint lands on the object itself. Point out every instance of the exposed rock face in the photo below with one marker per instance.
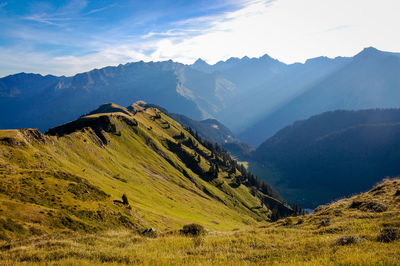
(20, 137)
(97, 124)
(33, 134)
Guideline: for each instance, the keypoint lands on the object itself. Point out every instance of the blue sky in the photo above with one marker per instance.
(71, 36)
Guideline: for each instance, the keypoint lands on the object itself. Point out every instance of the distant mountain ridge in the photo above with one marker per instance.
(370, 80)
(254, 97)
(331, 155)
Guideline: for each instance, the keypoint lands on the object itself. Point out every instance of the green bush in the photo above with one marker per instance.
(193, 230)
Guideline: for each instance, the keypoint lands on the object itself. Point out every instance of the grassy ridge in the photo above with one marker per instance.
(75, 179)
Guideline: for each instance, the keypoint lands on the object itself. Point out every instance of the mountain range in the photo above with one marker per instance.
(254, 97)
(331, 155)
(371, 79)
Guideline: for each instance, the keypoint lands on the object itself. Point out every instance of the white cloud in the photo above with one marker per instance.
(291, 31)
(111, 56)
(22, 60)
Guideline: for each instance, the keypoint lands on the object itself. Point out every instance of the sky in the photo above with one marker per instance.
(65, 37)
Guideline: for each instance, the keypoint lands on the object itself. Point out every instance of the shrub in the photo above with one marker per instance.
(397, 192)
(356, 204)
(375, 206)
(347, 240)
(149, 232)
(368, 206)
(389, 234)
(193, 230)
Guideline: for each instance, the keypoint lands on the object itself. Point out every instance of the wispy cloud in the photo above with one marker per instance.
(97, 10)
(171, 33)
(3, 4)
(58, 16)
(45, 19)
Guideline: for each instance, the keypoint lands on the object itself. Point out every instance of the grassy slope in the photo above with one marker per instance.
(49, 183)
(302, 240)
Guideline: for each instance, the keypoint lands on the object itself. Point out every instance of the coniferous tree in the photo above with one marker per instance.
(125, 200)
(275, 214)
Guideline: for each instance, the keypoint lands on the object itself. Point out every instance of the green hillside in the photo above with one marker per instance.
(74, 177)
(362, 230)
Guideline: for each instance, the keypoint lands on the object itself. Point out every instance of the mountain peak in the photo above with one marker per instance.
(201, 65)
(266, 57)
(369, 51)
(110, 108)
(200, 61)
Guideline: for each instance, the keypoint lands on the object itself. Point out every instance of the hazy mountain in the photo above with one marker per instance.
(370, 80)
(255, 103)
(264, 84)
(214, 131)
(247, 73)
(70, 97)
(203, 66)
(23, 85)
(331, 155)
(254, 97)
(50, 100)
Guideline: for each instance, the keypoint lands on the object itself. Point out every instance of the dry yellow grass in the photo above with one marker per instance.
(305, 240)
